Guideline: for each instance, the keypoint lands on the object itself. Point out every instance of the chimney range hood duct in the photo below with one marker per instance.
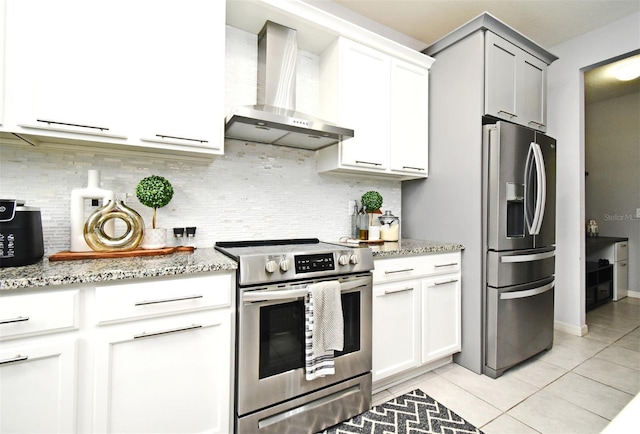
(274, 119)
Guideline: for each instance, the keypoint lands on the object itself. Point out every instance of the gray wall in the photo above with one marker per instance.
(612, 158)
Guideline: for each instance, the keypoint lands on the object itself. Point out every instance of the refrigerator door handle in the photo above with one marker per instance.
(527, 293)
(534, 166)
(542, 187)
(527, 258)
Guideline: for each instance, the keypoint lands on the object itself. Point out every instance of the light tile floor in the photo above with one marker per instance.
(576, 387)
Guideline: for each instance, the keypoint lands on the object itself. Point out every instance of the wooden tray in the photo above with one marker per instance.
(74, 256)
(372, 241)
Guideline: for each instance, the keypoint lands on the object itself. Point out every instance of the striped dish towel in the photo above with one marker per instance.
(324, 328)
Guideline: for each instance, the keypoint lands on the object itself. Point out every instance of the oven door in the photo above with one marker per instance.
(271, 342)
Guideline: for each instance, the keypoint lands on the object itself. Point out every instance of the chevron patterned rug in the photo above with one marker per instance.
(412, 413)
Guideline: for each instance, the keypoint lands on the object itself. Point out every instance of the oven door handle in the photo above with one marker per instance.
(252, 296)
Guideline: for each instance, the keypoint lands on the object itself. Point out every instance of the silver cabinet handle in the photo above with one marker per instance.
(165, 136)
(414, 168)
(17, 358)
(166, 332)
(404, 270)
(167, 300)
(624, 264)
(452, 264)
(623, 245)
(69, 124)
(513, 115)
(12, 320)
(368, 162)
(540, 124)
(446, 282)
(396, 291)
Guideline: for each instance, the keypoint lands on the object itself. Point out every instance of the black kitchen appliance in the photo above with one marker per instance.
(20, 233)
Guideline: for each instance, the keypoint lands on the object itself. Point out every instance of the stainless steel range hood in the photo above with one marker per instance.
(274, 119)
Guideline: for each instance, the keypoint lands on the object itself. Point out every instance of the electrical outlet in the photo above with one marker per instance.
(352, 205)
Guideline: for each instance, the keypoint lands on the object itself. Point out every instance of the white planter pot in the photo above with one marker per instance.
(374, 233)
(154, 238)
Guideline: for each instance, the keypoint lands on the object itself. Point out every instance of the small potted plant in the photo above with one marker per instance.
(155, 192)
(371, 203)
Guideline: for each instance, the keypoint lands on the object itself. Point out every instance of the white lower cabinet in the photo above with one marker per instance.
(38, 361)
(135, 356)
(396, 328)
(164, 376)
(38, 387)
(441, 320)
(162, 355)
(416, 313)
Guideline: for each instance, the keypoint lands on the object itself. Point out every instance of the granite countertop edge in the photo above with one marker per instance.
(411, 247)
(53, 274)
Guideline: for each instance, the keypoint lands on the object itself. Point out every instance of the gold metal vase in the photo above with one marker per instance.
(100, 241)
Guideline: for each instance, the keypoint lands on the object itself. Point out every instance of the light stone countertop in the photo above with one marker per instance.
(409, 247)
(45, 273)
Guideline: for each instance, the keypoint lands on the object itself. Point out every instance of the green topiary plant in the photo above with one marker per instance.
(154, 192)
(371, 202)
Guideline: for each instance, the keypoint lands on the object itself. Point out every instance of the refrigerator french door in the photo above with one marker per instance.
(520, 166)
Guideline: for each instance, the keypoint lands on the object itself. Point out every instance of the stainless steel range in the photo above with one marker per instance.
(272, 393)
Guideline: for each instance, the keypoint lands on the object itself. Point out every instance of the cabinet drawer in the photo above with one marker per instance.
(38, 313)
(388, 270)
(157, 297)
(621, 251)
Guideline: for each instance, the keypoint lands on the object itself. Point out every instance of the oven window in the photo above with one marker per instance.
(282, 334)
(281, 338)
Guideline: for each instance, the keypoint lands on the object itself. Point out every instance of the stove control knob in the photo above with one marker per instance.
(354, 259)
(271, 266)
(285, 264)
(343, 260)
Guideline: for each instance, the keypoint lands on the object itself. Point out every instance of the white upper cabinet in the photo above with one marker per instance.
(180, 73)
(515, 84)
(141, 74)
(409, 118)
(384, 99)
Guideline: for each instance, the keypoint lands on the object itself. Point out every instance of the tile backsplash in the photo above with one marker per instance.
(253, 191)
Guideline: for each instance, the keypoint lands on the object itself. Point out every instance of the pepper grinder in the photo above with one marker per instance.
(191, 237)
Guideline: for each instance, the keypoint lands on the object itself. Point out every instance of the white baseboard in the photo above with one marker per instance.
(571, 328)
(633, 294)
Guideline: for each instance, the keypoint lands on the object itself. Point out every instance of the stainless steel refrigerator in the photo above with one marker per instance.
(505, 203)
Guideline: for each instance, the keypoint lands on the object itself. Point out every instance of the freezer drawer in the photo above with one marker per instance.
(517, 267)
(519, 324)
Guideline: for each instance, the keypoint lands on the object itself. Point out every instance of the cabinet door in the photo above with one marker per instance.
(501, 78)
(532, 92)
(620, 280)
(396, 328)
(179, 72)
(441, 317)
(38, 387)
(409, 117)
(364, 105)
(65, 65)
(161, 376)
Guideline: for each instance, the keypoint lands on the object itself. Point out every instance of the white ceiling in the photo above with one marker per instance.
(547, 22)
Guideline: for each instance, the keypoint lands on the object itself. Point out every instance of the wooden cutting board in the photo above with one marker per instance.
(73, 256)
